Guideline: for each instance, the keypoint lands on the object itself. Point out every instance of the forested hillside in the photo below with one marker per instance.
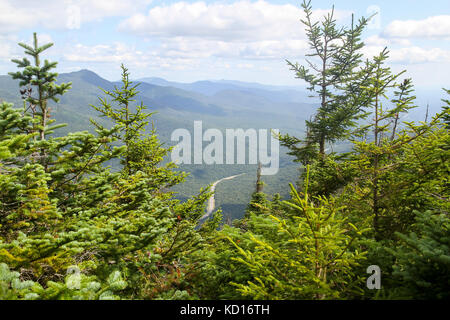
(226, 106)
(88, 209)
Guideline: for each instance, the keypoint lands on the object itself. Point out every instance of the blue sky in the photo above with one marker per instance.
(236, 40)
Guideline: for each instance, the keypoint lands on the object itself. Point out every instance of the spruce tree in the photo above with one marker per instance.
(258, 202)
(330, 74)
(73, 211)
(392, 162)
(446, 108)
(39, 76)
(423, 258)
(307, 255)
(143, 151)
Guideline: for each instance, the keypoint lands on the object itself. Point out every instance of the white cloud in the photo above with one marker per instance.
(206, 48)
(15, 15)
(431, 27)
(410, 55)
(8, 44)
(182, 50)
(182, 34)
(245, 66)
(247, 30)
(242, 20)
(104, 53)
(6, 52)
(118, 52)
(376, 40)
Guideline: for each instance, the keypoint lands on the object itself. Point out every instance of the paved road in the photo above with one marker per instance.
(212, 201)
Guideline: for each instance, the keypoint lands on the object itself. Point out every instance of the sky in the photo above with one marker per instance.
(245, 40)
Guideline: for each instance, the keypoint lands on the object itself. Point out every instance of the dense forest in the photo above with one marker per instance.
(93, 214)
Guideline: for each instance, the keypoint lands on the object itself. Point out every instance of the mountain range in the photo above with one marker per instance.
(218, 104)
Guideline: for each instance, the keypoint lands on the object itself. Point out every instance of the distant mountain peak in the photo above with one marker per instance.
(82, 71)
(155, 81)
(89, 77)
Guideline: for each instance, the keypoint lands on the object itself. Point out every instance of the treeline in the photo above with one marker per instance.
(73, 228)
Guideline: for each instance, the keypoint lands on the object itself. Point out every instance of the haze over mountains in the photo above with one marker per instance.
(212, 87)
(218, 104)
(221, 105)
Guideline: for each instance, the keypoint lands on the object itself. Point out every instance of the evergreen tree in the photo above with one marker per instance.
(144, 152)
(423, 258)
(377, 158)
(72, 210)
(72, 227)
(446, 108)
(258, 202)
(76, 286)
(41, 78)
(309, 256)
(335, 53)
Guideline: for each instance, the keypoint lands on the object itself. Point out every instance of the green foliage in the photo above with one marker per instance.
(446, 109)
(76, 287)
(72, 227)
(39, 77)
(331, 73)
(410, 175)
(306, 256)
(258, 203)
(423, 258)
(329, 175)
(61, 205)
